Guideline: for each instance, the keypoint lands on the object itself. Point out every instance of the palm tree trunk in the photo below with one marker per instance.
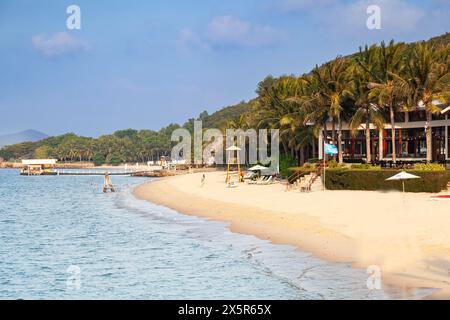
(333, 132)
(340, 155)
(393, 135)
(325, 132)
(313, 148)
(285, 148)
(368, 150)
(429, 138)
(325, 139)
(302, 155)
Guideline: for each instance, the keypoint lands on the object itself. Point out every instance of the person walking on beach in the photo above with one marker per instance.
(203, 180)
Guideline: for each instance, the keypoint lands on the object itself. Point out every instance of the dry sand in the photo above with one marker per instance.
(406, 235)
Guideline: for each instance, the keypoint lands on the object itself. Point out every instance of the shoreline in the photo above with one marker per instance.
(324, 235)
(72, 165)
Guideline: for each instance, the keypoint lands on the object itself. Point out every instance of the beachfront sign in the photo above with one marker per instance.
(331, 149)
(209, 144)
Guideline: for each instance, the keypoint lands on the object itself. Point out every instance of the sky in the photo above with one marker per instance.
(145, 64)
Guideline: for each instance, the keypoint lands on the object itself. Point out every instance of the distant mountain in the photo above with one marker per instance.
(23, 136)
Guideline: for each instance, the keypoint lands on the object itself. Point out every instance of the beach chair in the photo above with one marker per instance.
(305, 185)
(249, 175)
(257, 180)
(266, 181)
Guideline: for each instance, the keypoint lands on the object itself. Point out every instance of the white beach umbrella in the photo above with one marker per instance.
(234, 148)
(257, 168)
(402, 176)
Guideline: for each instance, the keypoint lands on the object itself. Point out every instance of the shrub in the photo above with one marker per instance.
(309, 166)
(333, 164)
(341, 179)
(286, 162)
(429, 167)
(364, 167)
(99, 159)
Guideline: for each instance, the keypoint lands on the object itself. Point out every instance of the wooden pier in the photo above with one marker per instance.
(141, 173)
(48, 167)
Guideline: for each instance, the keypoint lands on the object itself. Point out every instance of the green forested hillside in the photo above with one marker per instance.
(122, 146)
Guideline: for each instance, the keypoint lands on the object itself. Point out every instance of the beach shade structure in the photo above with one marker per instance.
(257, 168)
(229, 150)
(402, 176)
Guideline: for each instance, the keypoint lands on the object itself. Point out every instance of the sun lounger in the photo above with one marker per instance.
(266, 181)
(260, 179)
(249, 175)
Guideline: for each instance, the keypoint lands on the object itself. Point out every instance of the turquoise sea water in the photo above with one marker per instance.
(61, 238)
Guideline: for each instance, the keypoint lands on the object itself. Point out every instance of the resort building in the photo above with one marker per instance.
(410, 138)
(38, 166)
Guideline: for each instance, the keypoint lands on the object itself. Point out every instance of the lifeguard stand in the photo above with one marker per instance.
(230, 150)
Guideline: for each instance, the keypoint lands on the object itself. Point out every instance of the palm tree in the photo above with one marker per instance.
(368, 113)
(334, 87)
(278, 109)
(427, 78)
(366, 110)
(314, 105)
(240, 123)
(306, 136)
(385, 88)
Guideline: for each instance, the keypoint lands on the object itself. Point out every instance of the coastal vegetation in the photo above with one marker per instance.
(373, 179)
(122, 146)
(367, 87)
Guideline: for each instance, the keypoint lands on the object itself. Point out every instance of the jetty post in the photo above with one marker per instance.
(107, 184)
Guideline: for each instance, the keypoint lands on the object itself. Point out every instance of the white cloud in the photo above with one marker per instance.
(397, 16)
(189, 39)
(349, 17)
(227, 31)
(57, 44)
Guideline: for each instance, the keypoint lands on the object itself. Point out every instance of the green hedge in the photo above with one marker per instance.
(285, 163)
(345, 179)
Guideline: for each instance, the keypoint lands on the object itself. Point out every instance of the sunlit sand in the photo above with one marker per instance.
(406, 235)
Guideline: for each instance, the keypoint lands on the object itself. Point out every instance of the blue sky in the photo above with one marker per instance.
(144, 64)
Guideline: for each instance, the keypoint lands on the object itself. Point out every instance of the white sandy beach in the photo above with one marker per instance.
(407, 236)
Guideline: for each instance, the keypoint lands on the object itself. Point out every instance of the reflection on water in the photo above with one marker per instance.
(60, 237)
